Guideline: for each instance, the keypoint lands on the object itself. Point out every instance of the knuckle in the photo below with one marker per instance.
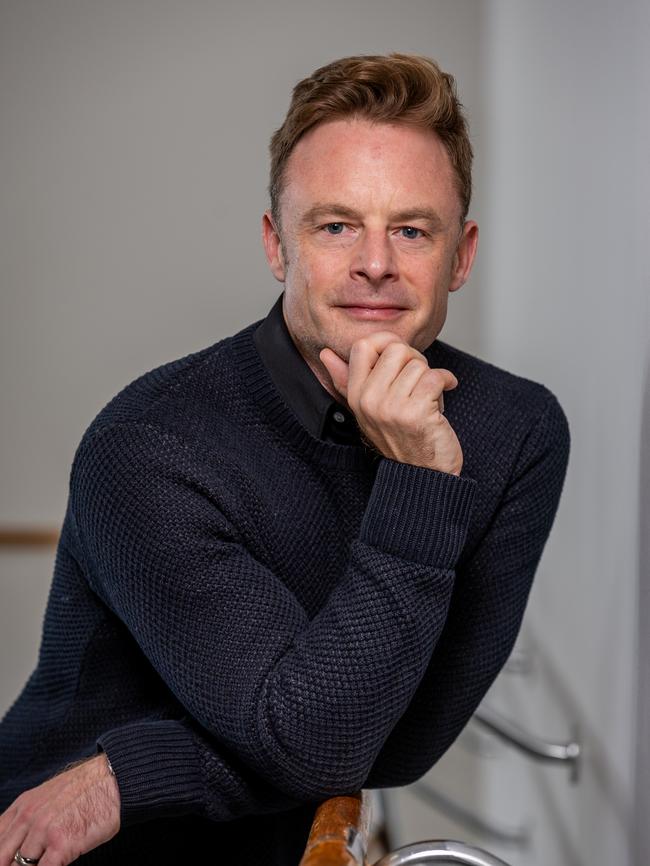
(397, 349)
(23, 802)
(56, 838)
(366, 405)
(418, 364)
(42, 823)
(353, 403)
(25, 811)
(435, 377)
(384, 413)
(360, 346)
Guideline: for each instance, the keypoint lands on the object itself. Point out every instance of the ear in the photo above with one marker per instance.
(464, 255)
(273, 247)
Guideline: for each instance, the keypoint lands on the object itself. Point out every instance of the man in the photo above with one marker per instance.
(289, 567)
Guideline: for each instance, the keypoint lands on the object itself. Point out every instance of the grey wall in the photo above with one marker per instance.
(642, 648)
(133, 173)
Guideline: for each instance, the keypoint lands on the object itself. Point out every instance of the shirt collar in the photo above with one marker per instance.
(316, 409)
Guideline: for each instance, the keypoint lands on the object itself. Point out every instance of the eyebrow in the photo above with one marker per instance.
(426, 214)
(321, 210)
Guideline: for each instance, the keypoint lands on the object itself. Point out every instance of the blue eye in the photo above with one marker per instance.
(412, 232)
(334, 228)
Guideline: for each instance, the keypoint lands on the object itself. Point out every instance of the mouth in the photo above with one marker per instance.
(372, 312)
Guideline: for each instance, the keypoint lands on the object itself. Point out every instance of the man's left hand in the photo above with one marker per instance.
(63, 818)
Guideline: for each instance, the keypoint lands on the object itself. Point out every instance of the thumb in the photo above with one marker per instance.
(337, 368)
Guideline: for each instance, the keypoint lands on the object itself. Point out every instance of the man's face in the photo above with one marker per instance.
(370, 216)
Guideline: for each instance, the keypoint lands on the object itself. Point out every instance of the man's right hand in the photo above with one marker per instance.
(397, 400)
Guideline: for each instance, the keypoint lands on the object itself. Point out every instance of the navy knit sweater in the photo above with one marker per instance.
(248, 619)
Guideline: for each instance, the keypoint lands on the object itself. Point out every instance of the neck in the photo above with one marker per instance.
(325, 379)
(314, 364)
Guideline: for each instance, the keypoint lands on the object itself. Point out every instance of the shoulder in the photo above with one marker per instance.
(488, 389)
(174, 423)
(164, 394)
(504, 420)
(196, 402)
(150, 435)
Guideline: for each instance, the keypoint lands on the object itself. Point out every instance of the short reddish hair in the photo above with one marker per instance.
(394, 88)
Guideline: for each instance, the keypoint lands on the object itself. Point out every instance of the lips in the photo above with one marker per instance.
(375, 312)
(367, 306)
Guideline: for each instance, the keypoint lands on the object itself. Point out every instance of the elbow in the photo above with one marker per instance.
(317, 774)
(312, 757)
(319, 788)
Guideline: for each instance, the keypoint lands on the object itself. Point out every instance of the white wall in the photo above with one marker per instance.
(566, 286)
(564, 281)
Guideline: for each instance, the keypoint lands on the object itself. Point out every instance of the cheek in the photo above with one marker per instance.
(317, 271)
(424, 272)
(433, 269)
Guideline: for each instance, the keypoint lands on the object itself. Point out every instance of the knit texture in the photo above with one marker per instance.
(248, 619)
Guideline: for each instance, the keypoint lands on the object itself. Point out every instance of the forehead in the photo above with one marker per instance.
(373, 166)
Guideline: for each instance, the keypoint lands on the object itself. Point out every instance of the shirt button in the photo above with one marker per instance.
(339, 416)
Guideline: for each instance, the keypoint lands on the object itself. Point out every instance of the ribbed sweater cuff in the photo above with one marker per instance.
(418, 513)
(156, 768)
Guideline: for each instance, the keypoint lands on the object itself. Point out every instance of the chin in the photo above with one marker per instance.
(363, 329)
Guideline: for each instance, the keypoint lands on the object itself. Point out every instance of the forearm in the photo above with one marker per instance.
(487, 607)
(333, 698)
(172, 767)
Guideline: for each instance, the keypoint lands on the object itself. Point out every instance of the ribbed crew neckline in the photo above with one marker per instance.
(260, 388)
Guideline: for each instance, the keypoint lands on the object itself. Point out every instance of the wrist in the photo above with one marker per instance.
(418, 513)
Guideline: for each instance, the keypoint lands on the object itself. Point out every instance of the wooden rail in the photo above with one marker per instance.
(339, 832)
(28, 536)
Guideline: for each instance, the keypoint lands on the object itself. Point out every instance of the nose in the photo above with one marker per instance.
(374, 258)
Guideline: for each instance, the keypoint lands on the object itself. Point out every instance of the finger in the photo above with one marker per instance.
(364, 354)
(28, 852)
(451, 381)
(408, 378)
(337, 369)
(34, 843)
(430, 387)
(11, 842)
(55, 857)
(390, 365)
(441, 380)
(380, 339)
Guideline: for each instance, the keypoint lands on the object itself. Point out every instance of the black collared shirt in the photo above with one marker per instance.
(316, 409)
